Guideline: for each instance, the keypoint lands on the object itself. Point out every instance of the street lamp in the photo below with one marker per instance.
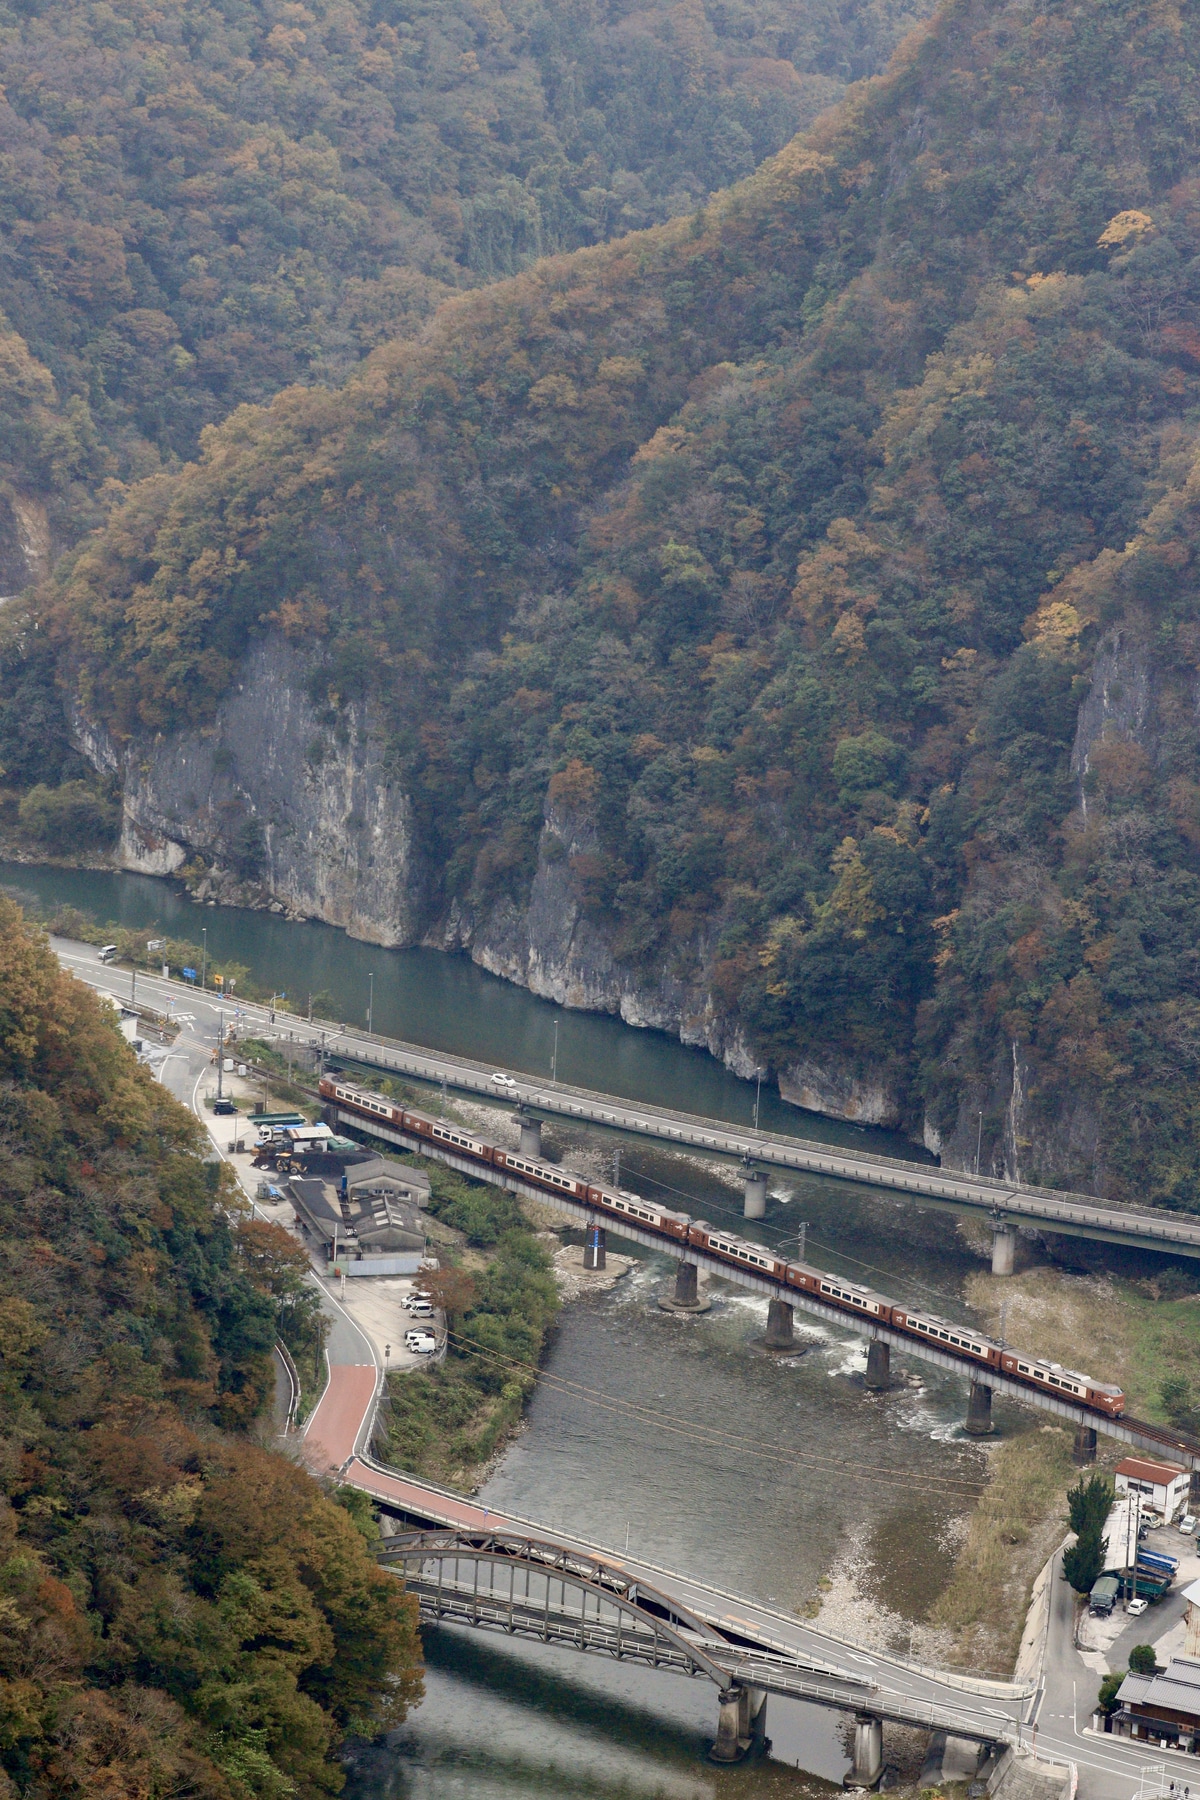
(204, 955)
(554, 1058)
(220, 1054)
(371, 1002)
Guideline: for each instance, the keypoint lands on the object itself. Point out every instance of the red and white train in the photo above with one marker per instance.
(681, 1228)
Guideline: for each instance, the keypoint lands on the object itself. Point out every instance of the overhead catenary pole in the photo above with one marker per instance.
(370, 1001)
(220, 1054)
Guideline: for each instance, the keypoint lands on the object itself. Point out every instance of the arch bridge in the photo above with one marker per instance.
(529, 1587)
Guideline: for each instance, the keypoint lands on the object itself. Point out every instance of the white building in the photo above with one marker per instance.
(1163, 1486)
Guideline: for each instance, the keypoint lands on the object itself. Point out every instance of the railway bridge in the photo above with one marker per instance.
(784, 1302)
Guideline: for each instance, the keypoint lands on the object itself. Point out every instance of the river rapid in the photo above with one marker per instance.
(815, 1491)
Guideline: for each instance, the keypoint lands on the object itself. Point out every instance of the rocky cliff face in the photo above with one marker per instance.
(268, 808)
(264, 809)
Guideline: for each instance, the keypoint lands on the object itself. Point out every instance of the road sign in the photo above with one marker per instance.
(188, 974)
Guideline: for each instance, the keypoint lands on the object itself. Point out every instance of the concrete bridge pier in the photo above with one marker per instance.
(879, 1366)
(867, 1766)
(733, 1725)
(595, 1248)
(686, 1297)
(1084, 1451)
(531, 1134)
(979, 1410)
(1004, 1245)
(755, 1184)
(780, 1326)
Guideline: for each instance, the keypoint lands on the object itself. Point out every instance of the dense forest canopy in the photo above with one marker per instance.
(201, 203)
(183, 1611)
(756, 569)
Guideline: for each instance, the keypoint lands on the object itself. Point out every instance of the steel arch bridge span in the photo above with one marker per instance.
(532, 1588)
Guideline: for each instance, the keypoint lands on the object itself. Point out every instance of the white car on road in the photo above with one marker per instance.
(500, 1079)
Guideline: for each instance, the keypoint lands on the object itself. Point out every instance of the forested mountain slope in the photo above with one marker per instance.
(780, 625)
(202, 202)
(183, 1611)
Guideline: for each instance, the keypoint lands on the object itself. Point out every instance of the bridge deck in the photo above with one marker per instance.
(822, 1668)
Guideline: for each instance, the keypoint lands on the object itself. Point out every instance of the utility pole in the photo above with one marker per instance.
(617, 1168)
(554, 1058)
(204, 956)
(443, 1110)
(978, 1143)
(133, 987)
(310, 1009)
(802, 1240)
(757, 1098)
(220, 1054)
(370, 1002)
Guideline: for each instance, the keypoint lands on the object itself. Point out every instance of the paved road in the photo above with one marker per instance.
(1109, 1768)
(1073, 1214)
(338, 1422)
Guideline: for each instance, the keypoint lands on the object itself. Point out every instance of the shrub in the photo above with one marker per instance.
(71, 817)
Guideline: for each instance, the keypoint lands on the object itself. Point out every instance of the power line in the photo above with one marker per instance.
(780, 1233)
(707, 1436)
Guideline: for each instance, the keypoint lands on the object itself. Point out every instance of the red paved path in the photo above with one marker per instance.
(331, 1432)
(448, 1507)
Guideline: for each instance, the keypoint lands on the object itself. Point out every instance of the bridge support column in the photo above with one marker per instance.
(755, 1184)
(867, 1766)
(594, 1249)
(686, 1297)
(979, 1410)
(531, 1134)
(1004, 1247)
(780, 1326)
(1084, 1451)
(879, 1366)
(733, 1706)
(760, 1743)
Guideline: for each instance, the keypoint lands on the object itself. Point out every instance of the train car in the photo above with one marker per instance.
(622, 1204)
(856, 1296)
(572, 1187)
(939, 1332)
(731, 1248)
(1101, 1395)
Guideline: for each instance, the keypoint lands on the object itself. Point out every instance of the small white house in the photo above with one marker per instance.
(1163, 1486)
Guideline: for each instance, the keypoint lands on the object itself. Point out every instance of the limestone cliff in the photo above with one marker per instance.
(267, 808)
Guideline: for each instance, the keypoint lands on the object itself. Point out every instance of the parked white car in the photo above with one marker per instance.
(1136, 1607)
(1187, 1524)
(421, 1343)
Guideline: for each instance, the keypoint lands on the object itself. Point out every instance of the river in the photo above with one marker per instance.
(820, 1488)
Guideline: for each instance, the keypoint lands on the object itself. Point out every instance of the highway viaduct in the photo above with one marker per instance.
(1008, 1204)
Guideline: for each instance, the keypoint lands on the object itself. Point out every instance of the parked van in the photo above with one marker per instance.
(107, 952)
